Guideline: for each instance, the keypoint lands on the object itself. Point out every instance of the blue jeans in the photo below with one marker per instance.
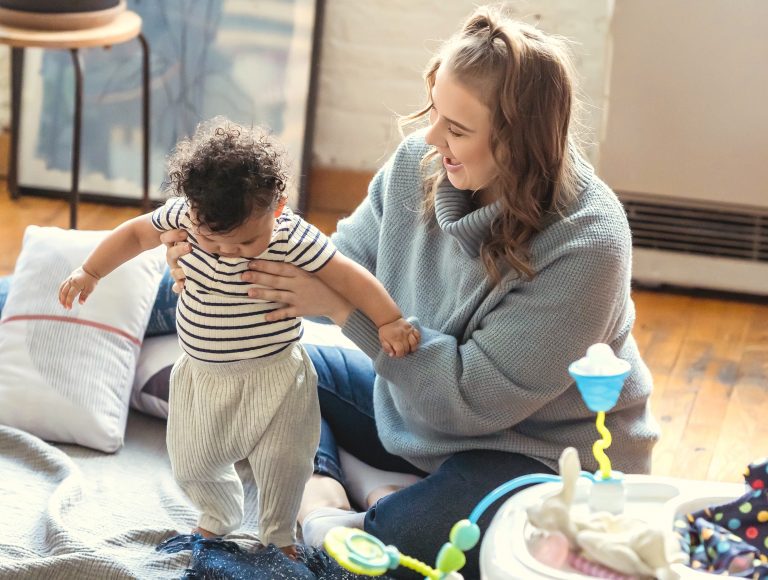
(418, 518)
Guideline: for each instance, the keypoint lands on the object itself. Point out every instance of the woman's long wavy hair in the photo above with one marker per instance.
(526, 79)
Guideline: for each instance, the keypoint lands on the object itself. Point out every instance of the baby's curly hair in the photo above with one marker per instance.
(226, 172)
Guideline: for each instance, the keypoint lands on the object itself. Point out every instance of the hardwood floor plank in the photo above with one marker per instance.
(743, 434)
(691, 406)
(661, 328)
(18, 214)
(662, 325)
(721, 327)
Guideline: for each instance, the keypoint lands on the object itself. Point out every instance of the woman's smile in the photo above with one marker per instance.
(451, 165)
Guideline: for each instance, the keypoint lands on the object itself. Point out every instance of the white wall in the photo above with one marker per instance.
(689, 100)
(373, 53)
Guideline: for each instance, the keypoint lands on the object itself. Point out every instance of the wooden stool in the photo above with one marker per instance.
(126, 26)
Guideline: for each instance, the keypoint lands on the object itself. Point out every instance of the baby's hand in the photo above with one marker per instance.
(79, 282)
(399, 338)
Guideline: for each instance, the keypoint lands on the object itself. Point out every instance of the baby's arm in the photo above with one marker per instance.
(125, 242)
(361, 288)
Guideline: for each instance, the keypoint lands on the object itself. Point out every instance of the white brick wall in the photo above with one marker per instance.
(373, 53)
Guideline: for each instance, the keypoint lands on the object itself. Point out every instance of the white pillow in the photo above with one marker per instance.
(66, 375)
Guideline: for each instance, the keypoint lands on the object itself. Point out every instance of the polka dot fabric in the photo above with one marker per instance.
(731, 539)
(756, 474)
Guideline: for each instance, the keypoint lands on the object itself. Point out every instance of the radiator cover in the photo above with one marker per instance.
(698, 244)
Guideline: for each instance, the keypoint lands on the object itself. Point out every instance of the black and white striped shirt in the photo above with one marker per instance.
(215, 319)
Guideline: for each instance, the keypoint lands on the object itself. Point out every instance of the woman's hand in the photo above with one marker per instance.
(175, 242)
(300, 293)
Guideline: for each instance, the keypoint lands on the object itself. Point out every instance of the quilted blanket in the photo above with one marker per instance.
(69, 512)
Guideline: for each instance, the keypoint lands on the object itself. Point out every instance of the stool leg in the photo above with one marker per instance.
(17, 62)
(76, 130)
(145, 120)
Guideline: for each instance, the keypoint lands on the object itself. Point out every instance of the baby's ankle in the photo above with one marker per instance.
(205, 533)
(290, 551)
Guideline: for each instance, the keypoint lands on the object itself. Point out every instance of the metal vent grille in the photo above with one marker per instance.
(697, 229)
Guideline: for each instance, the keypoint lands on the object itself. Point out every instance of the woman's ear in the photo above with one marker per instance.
(280, 207)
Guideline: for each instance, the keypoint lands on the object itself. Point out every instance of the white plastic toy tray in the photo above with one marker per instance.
(504, 551)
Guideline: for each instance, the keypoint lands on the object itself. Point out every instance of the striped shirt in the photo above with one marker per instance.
(215, 319)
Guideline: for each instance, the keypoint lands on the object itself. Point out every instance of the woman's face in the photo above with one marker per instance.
(460, 131)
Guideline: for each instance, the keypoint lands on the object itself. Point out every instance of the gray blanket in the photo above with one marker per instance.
(67, 512)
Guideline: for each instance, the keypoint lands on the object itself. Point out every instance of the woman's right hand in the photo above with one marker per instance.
(298, 293)
(176, 246)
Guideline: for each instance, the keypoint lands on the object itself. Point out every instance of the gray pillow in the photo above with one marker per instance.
(153, 373)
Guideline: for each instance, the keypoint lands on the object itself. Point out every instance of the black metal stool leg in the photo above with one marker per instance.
(76, 130)
(17, 62)
(145, 120)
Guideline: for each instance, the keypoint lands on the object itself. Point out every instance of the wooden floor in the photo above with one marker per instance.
(709, 357)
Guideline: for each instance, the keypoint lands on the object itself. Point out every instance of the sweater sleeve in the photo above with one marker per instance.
(515, 362)
(357, 236)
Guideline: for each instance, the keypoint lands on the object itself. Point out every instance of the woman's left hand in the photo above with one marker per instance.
(300, 293)
(176, 246)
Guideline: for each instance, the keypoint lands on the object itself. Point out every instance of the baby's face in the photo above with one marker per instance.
(248, 240)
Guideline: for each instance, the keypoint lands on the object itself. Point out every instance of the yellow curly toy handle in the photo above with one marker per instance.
(598, 449)
(420, 567)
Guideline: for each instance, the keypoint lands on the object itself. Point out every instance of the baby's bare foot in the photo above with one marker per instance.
(205, 533)
(290, 551)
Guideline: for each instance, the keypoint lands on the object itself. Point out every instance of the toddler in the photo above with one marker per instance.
(244, 388)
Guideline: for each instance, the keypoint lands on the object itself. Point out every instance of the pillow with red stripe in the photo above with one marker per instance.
(66, 375)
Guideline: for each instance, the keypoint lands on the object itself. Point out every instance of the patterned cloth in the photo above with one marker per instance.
(223, 559)
(731, 539)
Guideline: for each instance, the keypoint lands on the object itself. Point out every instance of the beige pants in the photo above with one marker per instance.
(264, 410)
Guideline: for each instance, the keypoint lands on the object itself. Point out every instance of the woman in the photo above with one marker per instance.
(491, 231)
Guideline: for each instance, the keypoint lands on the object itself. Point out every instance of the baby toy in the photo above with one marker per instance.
(599, 377)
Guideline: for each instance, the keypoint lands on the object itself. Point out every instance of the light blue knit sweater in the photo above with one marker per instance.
(491, 370)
